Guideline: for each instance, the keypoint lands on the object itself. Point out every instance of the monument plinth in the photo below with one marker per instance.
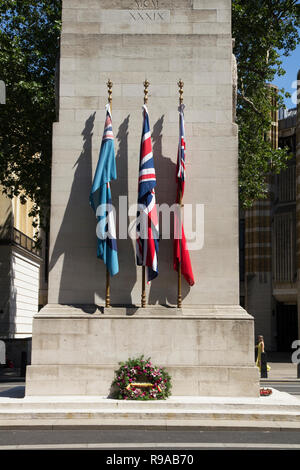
(208, 345)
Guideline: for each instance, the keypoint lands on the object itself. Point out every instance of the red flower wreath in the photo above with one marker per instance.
(139, 379)
(265, 392)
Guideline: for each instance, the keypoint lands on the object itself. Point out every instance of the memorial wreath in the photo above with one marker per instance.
(139, 379)
(265, 392)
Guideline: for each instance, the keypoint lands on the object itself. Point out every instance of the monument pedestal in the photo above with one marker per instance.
(208, 351)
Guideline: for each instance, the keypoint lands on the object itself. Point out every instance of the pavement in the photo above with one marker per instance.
(281, 372)
(279, 411)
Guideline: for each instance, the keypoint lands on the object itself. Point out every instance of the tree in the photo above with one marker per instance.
(263, 29)
(29, 46)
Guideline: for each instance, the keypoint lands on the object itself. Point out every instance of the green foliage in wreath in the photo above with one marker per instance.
(139, 379)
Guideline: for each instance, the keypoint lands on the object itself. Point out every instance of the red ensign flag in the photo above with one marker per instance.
(181, 253)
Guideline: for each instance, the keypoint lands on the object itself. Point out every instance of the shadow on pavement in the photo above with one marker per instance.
(14, 392)
(279, 357)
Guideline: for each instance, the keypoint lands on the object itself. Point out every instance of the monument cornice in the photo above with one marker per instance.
(155, 312)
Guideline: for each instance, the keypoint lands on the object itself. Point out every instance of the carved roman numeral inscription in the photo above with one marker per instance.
(146, 4)
(147, 16)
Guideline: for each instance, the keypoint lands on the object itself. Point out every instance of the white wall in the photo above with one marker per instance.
(25, 292)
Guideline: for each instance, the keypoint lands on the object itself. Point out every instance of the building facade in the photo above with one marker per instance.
(22, 278)
(268, 243)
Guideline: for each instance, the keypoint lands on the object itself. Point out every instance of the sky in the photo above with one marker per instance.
(288, 81)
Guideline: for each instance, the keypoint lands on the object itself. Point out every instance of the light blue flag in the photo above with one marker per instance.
(100, 199)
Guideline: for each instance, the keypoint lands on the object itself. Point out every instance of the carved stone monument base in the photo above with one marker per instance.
(208, 351)
(208, 346)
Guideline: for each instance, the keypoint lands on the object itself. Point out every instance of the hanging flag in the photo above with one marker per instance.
(100, 199)
(181, 253)
(147, 227)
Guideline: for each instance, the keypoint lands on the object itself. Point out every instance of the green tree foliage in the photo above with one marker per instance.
(29, 45)
(263, 30)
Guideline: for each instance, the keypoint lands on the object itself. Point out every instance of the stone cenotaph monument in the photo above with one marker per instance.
(207, 345)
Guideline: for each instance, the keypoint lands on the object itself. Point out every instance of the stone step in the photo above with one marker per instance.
(280, 407)
(277, 400)
(140, 417)
(185, 404)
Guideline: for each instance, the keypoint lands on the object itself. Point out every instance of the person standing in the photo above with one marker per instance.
(260, 349)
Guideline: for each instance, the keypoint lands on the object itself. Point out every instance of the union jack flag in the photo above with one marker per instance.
(181, 253)
(147, 226)
(181, 151)
(108, 132)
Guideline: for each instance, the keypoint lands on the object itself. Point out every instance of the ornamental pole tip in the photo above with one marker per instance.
(146, 86)
(109, 86)
(180, 86)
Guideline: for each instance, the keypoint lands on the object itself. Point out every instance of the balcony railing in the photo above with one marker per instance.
(20, 239)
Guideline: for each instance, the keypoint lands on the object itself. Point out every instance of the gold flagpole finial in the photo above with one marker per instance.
(180, 86)
(109, 86)
(146, 86)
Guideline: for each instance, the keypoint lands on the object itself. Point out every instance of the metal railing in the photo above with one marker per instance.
(20, 239)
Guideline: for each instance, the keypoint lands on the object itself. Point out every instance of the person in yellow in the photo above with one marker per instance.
(261, 349)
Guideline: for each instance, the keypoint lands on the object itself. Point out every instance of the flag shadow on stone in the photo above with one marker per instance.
(125, 280)
(82, 274)
(163, 290)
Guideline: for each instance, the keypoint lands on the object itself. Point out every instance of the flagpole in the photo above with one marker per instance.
(179, 293)
(107, 296)
(143, 298)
